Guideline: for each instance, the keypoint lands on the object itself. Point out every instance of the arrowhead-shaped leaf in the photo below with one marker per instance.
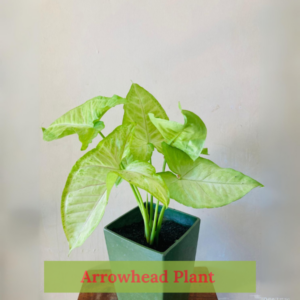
(143, 175)
(201, 183)
(188, 137)
(85, 194)
(139, 104)
(83, 120)
(91, 179)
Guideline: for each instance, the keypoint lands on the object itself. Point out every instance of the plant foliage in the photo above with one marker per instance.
(125, 154)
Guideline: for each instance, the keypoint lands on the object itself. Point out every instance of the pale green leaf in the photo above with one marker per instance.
(201, 183)
(143, 175)
(85, 194)
(83, 120)
(188, 137)
(91, 179)
(139, 104)
(128, 158)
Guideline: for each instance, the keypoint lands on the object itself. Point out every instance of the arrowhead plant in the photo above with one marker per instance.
(125, 154)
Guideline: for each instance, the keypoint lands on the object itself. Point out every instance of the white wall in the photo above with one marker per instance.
(232, 63)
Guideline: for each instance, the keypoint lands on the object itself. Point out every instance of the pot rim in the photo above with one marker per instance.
(197, 220)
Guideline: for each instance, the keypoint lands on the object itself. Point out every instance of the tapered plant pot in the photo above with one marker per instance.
(122, 249)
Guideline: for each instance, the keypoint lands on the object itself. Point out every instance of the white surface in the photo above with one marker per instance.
(231, 62)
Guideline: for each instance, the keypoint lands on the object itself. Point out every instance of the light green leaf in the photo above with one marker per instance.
(91, 179)
(143, 175)
(128, 158)
(139, 104)
(83, 120)
(85, 194)
(188, 137)
(201, 183)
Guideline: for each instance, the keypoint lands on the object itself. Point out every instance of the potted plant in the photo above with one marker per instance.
(125, 154)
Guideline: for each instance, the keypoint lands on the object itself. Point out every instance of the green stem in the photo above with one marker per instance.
(151, 208)
(143, 212)
(161, 215)
(139, 200)
(154, 223)
(146, 218)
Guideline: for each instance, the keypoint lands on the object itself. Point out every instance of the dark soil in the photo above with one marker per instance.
(169, 233)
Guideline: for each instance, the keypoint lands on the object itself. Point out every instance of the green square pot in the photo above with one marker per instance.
(122, 249)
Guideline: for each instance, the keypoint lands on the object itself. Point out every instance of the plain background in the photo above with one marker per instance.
(234, 63)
